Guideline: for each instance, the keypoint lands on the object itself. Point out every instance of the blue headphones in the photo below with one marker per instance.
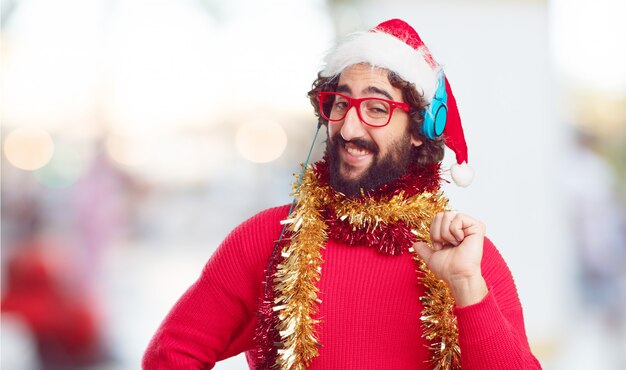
(437, 112)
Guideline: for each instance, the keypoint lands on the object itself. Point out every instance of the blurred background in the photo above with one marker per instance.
(136, 134)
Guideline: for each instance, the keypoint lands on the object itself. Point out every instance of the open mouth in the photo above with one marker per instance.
(356, 150)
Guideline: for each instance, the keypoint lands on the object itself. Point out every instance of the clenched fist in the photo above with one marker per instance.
(456, 255)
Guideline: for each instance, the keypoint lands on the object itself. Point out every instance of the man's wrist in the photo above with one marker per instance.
(468, 291)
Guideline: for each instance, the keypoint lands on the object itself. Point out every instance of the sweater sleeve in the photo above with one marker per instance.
(215, 318)
(491, 332)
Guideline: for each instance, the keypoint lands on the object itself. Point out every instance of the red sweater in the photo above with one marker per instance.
(370, 309)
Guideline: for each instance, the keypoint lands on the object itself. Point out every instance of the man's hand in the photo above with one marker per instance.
(458, 249)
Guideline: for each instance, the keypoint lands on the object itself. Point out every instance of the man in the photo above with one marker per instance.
(368, 269)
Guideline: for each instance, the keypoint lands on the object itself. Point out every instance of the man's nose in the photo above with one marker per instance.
(352, 127)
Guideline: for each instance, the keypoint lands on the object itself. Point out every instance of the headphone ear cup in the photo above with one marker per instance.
(435, 119)
(441, 116)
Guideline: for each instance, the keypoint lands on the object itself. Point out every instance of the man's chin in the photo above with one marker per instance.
(349, 184)
(349, 173)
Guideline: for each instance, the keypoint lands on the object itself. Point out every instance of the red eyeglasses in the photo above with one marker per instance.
(375, 112)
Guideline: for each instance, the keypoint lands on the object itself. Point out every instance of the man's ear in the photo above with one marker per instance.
(415, 141)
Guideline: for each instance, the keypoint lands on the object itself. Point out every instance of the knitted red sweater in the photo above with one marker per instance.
(370, 310)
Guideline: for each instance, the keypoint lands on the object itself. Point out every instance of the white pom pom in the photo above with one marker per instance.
(462, 174)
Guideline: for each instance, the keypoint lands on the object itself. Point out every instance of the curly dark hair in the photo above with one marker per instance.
(430, 152)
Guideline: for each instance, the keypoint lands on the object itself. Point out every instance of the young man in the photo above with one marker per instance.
(368, 270)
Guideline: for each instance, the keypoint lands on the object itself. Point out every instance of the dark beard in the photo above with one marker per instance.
(383, 170)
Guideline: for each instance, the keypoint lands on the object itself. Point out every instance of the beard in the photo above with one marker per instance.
(382, 170)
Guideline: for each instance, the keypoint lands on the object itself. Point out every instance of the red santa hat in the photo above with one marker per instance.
(396, 46)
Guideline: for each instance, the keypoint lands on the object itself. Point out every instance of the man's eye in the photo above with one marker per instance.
(341, 104)
(377, 108)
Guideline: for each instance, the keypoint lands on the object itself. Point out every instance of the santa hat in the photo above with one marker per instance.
(396, 46)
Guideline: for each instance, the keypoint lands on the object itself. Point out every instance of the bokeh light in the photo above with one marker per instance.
(28, 148)
(128, 150)
(261, 140)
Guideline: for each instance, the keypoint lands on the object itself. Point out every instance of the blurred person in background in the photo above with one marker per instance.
(598, 224)
(43, 292)
(368, 268)
(51, 268)
(102, 203)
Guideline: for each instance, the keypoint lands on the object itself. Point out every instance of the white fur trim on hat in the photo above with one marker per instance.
(462, 174)
(383, 50)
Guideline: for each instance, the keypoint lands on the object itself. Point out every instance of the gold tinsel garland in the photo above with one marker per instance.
(298, 274)
(296, 280)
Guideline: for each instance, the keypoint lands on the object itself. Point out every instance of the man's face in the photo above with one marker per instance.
(362, 156)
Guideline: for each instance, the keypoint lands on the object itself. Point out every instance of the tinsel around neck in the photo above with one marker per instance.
(346, 217)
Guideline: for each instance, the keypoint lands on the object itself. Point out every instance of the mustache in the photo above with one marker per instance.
(361, 143)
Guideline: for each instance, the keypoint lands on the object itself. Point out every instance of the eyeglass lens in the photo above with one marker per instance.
(373, 111)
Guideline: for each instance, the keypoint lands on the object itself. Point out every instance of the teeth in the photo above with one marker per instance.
(355, 151)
